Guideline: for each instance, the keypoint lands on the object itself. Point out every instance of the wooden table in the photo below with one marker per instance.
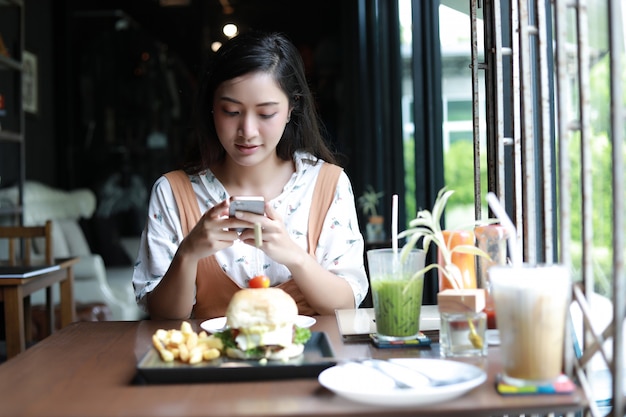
(89, 369)
(15, 290)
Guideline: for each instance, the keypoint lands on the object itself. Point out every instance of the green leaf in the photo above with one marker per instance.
(422, 272)
(470, 250)
(453, 274)
(368, 201)
(301, 335)
(440, 204)
(420, 231)
(427, 225)
(427, 241)
(226, 336)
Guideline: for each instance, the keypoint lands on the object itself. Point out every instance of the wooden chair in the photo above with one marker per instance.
(21, 240)
(20, 247)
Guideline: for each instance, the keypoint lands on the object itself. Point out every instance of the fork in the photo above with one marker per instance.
(398, 373)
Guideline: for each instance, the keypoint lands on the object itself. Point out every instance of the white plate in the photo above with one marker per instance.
(219, 323)
(366, 385)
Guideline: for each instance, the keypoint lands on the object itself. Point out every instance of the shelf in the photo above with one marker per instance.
(6, 211)
(6, 135)
(6, 62)
(12, 128)
(12, 3)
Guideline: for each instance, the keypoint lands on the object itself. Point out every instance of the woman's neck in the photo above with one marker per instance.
(267, 179)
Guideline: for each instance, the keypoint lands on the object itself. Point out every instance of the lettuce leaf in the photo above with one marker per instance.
(301, 335)
(227, 337)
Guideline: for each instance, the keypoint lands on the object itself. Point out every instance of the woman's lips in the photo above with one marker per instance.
(247, 150)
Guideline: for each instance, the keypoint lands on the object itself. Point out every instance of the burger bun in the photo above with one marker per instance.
(264, 320)
(254, 307)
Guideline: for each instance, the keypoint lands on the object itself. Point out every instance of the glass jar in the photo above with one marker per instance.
(491, 239)
(463, 334)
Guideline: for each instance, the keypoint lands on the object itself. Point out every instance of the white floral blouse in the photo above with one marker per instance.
(340, 246)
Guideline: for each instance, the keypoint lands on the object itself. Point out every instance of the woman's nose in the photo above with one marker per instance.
(248, 127)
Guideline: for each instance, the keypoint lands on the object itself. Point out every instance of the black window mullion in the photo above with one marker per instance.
(428, 116)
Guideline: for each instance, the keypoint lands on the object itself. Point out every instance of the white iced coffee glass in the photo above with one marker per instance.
(532, 303)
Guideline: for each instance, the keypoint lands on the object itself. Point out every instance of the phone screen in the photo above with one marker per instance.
(249, 204)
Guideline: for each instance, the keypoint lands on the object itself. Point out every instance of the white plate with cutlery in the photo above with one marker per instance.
(359, 381)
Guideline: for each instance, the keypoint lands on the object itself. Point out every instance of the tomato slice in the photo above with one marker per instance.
(259, 281)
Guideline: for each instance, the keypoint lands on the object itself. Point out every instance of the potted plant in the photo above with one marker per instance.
(460, 308)
(368, 202)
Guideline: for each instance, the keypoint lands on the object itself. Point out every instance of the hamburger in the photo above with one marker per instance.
(260, 323)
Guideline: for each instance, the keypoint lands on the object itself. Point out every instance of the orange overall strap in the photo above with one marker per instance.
(214, 288)
(323, 195)
(188, 209)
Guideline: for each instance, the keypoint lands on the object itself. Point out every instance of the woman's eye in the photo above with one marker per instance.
(231, 113)
(267, 116)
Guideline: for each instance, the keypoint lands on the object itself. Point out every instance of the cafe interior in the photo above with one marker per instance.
(515, 106)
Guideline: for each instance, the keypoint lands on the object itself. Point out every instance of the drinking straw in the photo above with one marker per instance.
(504, 218)
(394, 223)
(258, 235)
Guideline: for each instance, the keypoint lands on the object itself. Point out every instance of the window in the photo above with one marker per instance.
(458, 136)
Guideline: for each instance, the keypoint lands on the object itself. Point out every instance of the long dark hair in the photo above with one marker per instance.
(271, 53)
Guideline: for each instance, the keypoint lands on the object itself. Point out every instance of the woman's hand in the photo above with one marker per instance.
(277, 243)
(211, 234)
(323, 290)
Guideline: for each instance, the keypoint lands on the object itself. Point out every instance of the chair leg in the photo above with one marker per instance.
(14, 320)
(49, 312)
(28, 320)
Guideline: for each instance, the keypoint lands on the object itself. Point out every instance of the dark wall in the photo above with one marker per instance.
(111, 101)
(40, 146)
(100, 102)
(42, 150)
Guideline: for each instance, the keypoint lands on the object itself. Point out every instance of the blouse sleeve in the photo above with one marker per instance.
(340, 247)
(159, 241)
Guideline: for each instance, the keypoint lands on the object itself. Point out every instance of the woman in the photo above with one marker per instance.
(257, 135)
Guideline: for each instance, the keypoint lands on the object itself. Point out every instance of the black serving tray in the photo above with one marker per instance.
(318, 355)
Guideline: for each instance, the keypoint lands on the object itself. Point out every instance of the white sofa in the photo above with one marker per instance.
(93, 282)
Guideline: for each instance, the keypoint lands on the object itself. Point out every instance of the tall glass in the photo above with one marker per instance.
(531, 306)
(396, 292)
(491, 239)
(464, 261)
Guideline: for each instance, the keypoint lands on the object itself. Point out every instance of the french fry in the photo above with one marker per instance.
(165, 354)
(211, 341)
(184, 352)
(186, 345)
(192, 340)
(175, 351)
(176, 337)
(210, 354)
(195, 355)
(185, 328)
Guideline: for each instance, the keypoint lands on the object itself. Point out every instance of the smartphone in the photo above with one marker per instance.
(251, 204)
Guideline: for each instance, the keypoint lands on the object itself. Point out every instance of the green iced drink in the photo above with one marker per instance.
(397, 306)
(396, 292)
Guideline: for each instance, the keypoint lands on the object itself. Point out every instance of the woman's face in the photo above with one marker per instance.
(250, 114)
